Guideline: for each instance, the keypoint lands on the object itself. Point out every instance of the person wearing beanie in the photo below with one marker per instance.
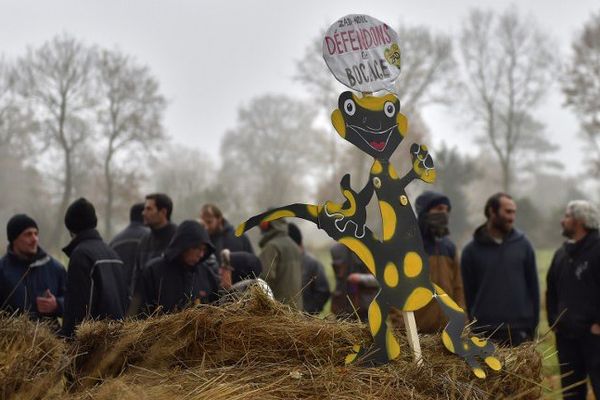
(282, 263)
(31, 282)
(183, 276)
(573, 299)
(126, 242)
(433, 213)
(315, 288)
(96, 287)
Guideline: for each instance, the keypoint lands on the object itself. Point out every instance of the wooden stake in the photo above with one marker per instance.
(413, 336)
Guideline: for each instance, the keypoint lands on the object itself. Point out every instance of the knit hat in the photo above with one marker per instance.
(80, 216)
(17, 224)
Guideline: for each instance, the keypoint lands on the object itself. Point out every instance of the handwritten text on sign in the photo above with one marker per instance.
(362, 53)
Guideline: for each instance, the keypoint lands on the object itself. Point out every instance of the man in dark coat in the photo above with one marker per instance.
(126, 242)
(282, 263)
(95, 279)
(315, 288)
(157, 216)
(500, 276)
(181, 276)
(31, 281)
(222, 234)
(433, 213)
(573, 299)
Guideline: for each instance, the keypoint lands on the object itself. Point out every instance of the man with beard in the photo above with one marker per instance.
(221, 232)
(31, 282)
(500, 276)
(573, 299)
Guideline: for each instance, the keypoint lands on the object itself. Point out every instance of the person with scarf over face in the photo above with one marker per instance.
(433, 213)
(181, 277)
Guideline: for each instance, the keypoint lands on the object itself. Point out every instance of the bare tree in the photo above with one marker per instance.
(130, 115)
(507, 63)
(56, 79)
(581, 86)
(272, 154)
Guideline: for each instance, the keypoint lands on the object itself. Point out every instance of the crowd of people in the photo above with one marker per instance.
(155, 266)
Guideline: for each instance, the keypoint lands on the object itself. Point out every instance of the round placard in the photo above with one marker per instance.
(362, 53)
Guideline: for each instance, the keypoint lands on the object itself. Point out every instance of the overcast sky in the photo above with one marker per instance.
(212, 56)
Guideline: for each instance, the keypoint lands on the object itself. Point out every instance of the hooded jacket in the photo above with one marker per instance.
(21, 281)
(95, 281)
(500, 281)
(226, 239)
(315, 288)
(282, 264)
(444, 267)
(168, 283)
(573, 283)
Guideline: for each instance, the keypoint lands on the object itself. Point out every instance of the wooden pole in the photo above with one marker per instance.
(413, 337)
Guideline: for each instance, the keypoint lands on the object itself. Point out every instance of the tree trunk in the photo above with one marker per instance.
(109, 196)
(58, 234)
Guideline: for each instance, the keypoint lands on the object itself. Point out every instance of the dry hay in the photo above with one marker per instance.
(256, 348)
(32, 359)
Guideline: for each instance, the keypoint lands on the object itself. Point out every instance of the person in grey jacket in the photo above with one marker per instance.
(500, 276)
(282, 263)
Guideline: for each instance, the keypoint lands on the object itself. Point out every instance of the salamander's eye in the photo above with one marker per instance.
(350, 107)
(389, 109)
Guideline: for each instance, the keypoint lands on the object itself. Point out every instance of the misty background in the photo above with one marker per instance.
(229, 103)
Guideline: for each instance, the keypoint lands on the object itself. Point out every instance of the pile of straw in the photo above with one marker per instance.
(32, 359)
(256, 348)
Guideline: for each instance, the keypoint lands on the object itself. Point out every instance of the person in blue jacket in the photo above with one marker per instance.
(500, 276)
(31, 282)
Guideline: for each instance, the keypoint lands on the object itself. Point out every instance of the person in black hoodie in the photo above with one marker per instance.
(573, 299)
(500, 276)
(181, 276)
(95, 277)
(31, 281)
(126, 242)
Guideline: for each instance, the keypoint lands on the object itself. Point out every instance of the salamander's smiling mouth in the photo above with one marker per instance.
(377, 140)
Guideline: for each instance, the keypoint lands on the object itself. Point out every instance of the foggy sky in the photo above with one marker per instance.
(212, 56)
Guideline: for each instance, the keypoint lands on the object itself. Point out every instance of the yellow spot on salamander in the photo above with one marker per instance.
(391, 344)
(376, 168)
(374, 318)
(277, 215)
(338, 122)
(374, 103)
(392, 172)
(493, 363)
(403, 200)
(240, 229)
(479, 373)
(402, 124)
(350, 197)
(478, 342)
(447, 341)
(417, 299)
(361, 250)
(413, 264)
(313, 210)
(390, 275)
(388, 216)
(447, 300)
(352, 356)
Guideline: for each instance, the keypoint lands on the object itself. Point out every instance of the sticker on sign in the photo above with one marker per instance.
(362, 53)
